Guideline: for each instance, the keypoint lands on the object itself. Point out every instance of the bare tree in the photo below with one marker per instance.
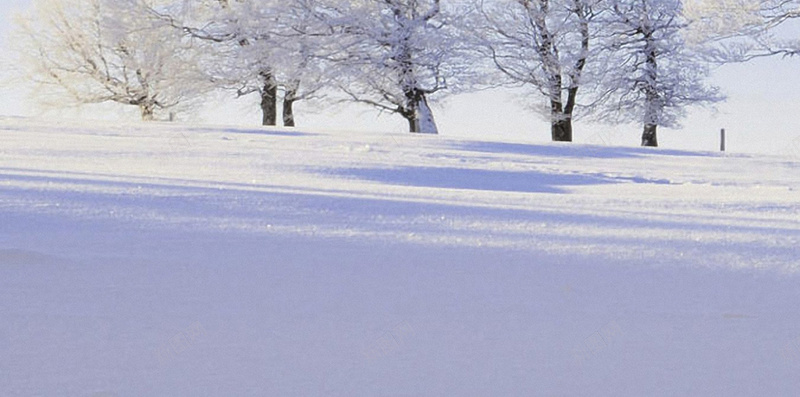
(94, 51)
(652, 75)
(258, 47)
(541, 44)
(729, 31)
(392, 55)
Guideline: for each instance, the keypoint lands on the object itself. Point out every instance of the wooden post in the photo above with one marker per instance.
(722, 140)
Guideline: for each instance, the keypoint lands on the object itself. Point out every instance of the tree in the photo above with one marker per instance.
(740, 30)
(94, 51)
(392, 54)
(259, 47)
(652, 74)
(541, 44)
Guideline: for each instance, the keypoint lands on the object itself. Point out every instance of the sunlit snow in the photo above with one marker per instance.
(175, 260)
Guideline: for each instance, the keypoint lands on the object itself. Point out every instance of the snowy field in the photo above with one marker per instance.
(165, 260)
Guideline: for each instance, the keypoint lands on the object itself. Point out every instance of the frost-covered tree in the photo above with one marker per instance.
(741, 30)
(259, 47)
(540, 44)
(391, 54)
(95, 51)
(652, 75)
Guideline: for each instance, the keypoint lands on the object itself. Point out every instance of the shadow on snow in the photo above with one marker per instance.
(474, 179)
(570, 151)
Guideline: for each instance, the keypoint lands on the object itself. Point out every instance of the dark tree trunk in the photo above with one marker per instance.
(413, 124)
(560, 123)
(269, 108)
(562, 126)
(410, 112)
(288, 112)
(288, 104)
(269, 99)
(649, 135)
(562, 130)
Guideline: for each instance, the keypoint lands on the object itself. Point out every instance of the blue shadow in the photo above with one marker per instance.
(473, 179)
(570, 151)
(250, 131)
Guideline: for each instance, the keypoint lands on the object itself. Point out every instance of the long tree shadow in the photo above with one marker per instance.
(262, 131)
(176, 203)
(251, 210)
(474, 179)
(569, 151)
(179, 197)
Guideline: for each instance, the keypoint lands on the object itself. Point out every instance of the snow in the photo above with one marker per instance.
(163, 259)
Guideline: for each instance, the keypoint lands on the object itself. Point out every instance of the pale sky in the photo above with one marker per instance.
(760, 115)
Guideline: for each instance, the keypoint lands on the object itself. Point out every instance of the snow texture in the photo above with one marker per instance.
(190, 261)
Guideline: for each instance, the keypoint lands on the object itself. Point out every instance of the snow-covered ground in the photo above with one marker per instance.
(166, 260)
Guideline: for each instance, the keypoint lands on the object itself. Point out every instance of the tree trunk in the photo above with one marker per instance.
(413, 125)
(649, 135)
(288, 112)
(148, 111)
(288, 104)
(560, 123)
(269, 99)
(653, 106)
(561, 129)
(419, 115)
(424, 117)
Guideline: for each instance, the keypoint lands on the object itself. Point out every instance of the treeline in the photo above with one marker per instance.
(616, 61)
